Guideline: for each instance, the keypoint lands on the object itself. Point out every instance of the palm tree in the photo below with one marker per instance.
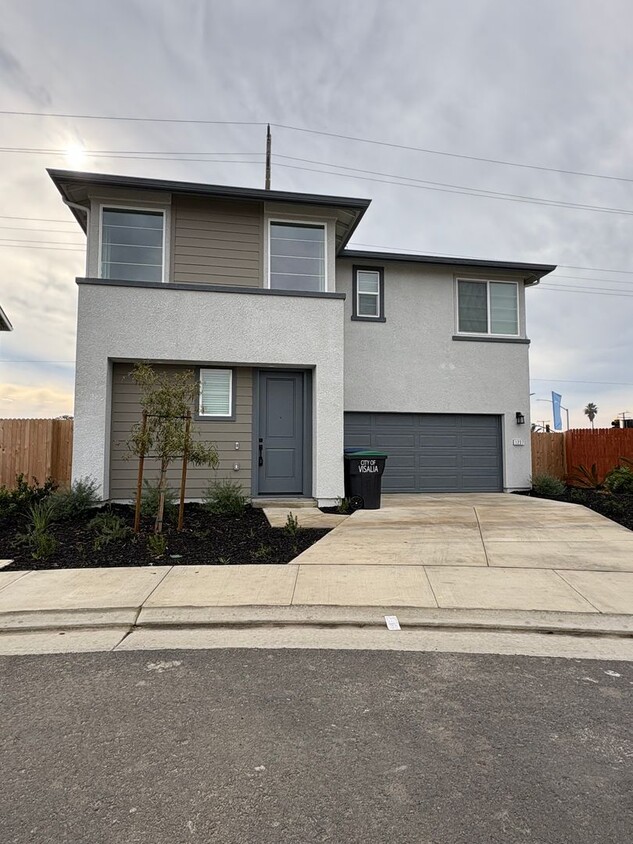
(591, 411)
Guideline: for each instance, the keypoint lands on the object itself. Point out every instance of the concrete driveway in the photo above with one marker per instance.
(478, 529)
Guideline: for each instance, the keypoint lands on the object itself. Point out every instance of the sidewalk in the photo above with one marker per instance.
(494, 562)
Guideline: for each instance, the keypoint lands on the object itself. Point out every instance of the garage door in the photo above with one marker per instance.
(432, 452)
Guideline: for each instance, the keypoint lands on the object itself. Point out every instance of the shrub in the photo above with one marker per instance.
(262, 553)
(225, 498)
(548, 486)
(109, 528)
(77, 499)
(292, 525)
(588, 478)
(150, 499)
(620, 481)
(157, 544)
(41, 516)
(16, 501)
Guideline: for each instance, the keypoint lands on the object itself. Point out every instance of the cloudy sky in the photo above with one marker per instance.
(467, 83)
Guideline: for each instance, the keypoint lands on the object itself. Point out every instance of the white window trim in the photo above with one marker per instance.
(487, 282)
(115, 206)
(322, 224)
(360, 292)
(228, 415)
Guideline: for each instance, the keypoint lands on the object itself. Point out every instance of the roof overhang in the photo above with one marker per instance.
(75, 188)
(531, 273)
(5, 325)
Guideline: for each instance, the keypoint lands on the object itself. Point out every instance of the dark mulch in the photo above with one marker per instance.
(618, 508)
(205, 540)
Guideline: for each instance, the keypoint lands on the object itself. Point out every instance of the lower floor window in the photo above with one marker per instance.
(216, 392)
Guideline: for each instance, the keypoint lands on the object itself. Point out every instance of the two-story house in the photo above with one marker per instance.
(300, 345)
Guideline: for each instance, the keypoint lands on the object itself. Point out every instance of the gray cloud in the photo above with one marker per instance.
(543, 83)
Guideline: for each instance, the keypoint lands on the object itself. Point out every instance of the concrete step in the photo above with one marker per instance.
(286, 501)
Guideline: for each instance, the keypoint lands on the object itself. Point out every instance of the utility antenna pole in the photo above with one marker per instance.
(268, 146)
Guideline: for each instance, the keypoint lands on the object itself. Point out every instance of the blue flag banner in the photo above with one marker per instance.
(556, 400)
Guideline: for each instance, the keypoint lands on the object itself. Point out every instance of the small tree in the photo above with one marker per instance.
(591, 411)
(166, 400)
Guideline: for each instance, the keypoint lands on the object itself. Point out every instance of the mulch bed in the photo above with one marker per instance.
(618, 508)
(206, 539)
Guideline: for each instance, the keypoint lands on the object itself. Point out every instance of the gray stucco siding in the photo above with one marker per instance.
(217, 242)
(126, 410)
(411, 364)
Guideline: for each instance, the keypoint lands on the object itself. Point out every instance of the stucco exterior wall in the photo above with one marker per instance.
(410, 363)
(170, 325)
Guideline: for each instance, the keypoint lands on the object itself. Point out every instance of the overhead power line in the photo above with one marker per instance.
(131, 119)
(567, 381)
(322, 133)
(464, 191)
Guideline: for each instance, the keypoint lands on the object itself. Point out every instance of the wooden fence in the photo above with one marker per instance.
(36, 448)
(558, 454)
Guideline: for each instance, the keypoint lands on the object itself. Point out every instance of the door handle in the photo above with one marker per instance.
(261, 452)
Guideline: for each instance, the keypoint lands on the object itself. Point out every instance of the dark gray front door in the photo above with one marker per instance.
(432, 452)
(281, 433)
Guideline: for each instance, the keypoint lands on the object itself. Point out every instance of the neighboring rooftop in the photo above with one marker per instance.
(74, 187)
(5, 325)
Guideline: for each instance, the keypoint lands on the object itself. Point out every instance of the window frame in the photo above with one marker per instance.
(316, 224)
(114, 206)
(380, 317)
(230, 417)
(487, 282)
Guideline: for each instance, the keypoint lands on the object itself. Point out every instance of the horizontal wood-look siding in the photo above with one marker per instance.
(217, 242)
(126, 410)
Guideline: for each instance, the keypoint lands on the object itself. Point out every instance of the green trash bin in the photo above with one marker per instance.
(363, 477)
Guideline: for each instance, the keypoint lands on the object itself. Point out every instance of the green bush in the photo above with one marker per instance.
(548, 486)
(225, 498)
(41, 516)
(157, 544)
(620, 481)
(76, 500)
(16, 501)
(149, 502)
(108, 528)
(292, 527)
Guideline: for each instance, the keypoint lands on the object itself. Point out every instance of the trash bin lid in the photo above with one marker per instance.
(352, 455)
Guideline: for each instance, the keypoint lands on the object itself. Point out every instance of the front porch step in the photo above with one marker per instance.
(286, 502)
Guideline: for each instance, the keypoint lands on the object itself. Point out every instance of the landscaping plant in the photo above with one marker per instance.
(588, 478)
(76, 499)
(620, 480)
(151, 497)
(38, 538)
(108, 528)
(225, 498)
(166, 399)
(548, 486)
(157, 544)
(17, 500)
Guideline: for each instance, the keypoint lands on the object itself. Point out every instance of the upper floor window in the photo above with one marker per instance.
(297, 256)
(488, 307)
(132, 244)
(368, 294)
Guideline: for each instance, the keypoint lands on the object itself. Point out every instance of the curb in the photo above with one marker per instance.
(507, 621)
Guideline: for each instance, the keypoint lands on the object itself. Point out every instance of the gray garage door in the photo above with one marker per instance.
(431, 452)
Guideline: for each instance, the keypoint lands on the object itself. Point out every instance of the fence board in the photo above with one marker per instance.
(604, 447)
(548, 455)
(36, 448)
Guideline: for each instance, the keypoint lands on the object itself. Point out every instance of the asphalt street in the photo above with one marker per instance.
(315, 746)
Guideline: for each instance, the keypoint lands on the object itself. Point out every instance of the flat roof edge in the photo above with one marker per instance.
(202, 189)
(537, 270)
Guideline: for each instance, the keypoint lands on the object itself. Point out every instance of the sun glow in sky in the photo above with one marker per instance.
(75, 156)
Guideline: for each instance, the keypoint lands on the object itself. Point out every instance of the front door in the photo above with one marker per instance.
(281, 434)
